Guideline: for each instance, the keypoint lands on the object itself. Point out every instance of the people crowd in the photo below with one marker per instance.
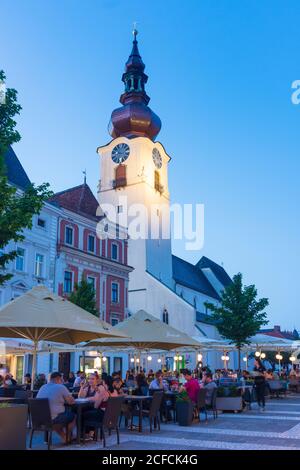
(97, 389)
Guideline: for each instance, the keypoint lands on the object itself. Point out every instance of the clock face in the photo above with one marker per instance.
(120, 153)
(157, 158)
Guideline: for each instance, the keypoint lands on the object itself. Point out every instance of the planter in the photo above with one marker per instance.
(13, 427)
(184, 413)
(229, 403)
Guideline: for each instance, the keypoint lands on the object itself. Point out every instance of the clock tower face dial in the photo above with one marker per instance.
(157, 158)
(120, 153)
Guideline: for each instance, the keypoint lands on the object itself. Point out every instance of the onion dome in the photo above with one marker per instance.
(134, 118)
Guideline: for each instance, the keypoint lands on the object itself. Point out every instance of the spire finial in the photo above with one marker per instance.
(135, 31)
(84, 177)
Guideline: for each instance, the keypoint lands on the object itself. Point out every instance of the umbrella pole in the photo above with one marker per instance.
(34, 357)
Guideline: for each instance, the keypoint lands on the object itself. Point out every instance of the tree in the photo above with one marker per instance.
(84, 296)
(16, 207)
(240, 314)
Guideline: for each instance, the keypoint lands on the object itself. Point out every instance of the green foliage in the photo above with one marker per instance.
(8, 109)
(182, 396)
(231, 391)
(84, 296)
(240, 314)
(16, 207)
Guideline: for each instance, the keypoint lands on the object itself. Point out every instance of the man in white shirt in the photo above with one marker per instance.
(58, 396)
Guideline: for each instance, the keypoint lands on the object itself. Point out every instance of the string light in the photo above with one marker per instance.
(149, 358)
(263, 355)
(199, 357)
(132, 359)
(180, 358)
(159, 360)
(175, 358)
(257, 353)
(279, 357)
(245, 359)
(104, 359)
(292, 358)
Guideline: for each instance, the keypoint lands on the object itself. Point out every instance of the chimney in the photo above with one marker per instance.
(277, 328)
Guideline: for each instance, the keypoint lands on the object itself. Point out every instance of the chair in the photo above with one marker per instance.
(200, 404)
(7, 392)
(110, 419)
(41, 419)
(153, 414)
(276, 387)
(212, 405)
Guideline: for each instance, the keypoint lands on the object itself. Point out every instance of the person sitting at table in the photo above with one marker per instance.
(269, 375)
(191, 385)
(27, 381)
(116, 387)
(88, 388)
(209, 385)
(142, 384)
(71, 379)
(150, 375)
(99, 398)
(40, 381)
(58, 396)
(159, 383)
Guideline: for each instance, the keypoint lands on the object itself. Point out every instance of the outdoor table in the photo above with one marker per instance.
(139, 399)
(80, 405)
(11, 400)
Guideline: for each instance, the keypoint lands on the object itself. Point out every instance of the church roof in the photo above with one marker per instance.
(191, 276)
(15, 172)
(78, 199)
(218, 270)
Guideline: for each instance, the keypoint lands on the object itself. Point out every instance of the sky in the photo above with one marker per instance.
(220, 76)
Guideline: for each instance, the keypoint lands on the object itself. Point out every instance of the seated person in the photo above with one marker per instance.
(78, 379)
(117, 387)
(209, 386)
(191, 385)
(99, 398)
(58, 396)
(159, 383)
(89, 388)
(269, 375)
(150, 375)
(40, 381)
(142, 384)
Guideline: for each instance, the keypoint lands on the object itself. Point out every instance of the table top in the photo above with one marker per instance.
(137, 397)
(10, 399)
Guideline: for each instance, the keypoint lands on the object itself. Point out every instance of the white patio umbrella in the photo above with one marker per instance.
(42, 315)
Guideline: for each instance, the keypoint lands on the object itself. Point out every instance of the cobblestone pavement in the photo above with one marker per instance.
(276, 428)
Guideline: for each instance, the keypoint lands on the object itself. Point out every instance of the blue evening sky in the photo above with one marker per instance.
(220, 74)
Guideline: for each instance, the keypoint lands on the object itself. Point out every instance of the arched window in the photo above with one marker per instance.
(156, 180)
(120, 176)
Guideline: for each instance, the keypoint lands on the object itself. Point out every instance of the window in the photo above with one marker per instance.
(39, 265)
(114, 251)
(120, 176)
(20, 259)
(119, 209)
(156, 180)
(69, 236)
(114, 321)
(68, 282)
(91, 243)
(165, 318)
(91, 280)
(41, 222)
(115, 292)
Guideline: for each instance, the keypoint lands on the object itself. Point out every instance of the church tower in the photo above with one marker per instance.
(134, 180)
